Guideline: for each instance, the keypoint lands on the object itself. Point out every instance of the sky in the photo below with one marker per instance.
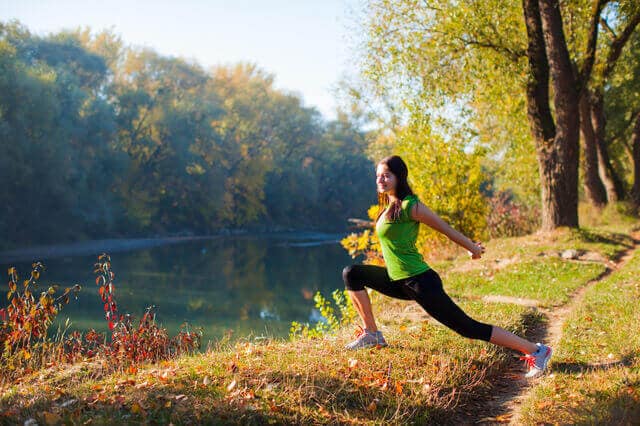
(305, 44)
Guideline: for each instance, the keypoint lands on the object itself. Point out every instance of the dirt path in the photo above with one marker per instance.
(503, 401)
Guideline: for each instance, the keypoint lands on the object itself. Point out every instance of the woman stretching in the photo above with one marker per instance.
(408, 277)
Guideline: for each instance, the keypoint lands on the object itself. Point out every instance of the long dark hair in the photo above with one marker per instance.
(399, 169)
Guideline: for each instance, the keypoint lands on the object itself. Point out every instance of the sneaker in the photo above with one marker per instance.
(537, 361)
(367, 339)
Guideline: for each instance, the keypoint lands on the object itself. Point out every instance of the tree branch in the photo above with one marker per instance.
(606, 25)
(514, 55)
(587, 65)
(618, 43)
(624, 128)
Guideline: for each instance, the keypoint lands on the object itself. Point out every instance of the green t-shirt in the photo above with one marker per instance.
(398, 243)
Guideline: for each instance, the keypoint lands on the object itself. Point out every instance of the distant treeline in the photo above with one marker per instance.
(101, 140)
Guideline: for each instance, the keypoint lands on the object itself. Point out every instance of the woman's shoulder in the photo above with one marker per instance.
(409, 199)
(408, 202)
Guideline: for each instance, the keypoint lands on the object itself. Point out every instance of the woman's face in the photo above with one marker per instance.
(385, 180)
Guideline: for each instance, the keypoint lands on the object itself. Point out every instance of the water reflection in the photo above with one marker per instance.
(251, 285)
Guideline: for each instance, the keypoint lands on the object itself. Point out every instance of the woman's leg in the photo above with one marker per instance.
(362, 303)
(356, 277)
(427, 290)
(502, 337)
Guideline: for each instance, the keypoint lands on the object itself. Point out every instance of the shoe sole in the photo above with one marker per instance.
(376, 345)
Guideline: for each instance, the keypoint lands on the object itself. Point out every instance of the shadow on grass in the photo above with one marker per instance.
(610, 238)
(311, 398)
(619, 406)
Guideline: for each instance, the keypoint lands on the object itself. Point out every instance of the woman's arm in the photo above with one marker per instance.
(422, 213)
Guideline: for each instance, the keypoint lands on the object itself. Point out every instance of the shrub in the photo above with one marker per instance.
(24, 340)
(509, 218)
(27, 346)
(332, 321)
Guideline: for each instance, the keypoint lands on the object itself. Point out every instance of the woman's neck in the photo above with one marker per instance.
(392, 198)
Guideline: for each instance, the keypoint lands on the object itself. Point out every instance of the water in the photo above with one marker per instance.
(251, 285)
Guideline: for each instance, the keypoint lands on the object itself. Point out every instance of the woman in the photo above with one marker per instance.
(408, 277)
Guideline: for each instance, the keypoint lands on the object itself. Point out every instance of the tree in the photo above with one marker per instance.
(473, 66)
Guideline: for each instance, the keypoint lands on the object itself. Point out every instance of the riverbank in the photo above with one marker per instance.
(115, 245)
(530, 285)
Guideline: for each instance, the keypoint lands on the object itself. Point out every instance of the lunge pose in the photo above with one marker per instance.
(407, 276)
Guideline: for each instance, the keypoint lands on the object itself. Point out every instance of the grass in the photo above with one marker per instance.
(550, 281)
(427, 370)
(596, 369)
(427, 375)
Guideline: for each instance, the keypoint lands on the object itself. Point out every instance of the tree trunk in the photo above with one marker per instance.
(612, 182)
(593, 186)
(559, 156)
(635, 142)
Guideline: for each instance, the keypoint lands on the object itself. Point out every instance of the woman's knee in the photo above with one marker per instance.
(350, 281)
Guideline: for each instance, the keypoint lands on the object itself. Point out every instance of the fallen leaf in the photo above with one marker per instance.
(544, 404)
(206, 381)
(503, 418)
(51, 418)
(137, 409)
(353, 363)
(231, 385)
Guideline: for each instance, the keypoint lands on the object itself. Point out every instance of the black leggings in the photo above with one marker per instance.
(425, 288)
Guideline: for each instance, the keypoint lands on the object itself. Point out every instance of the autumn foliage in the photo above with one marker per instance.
(26, 343)
(144, 341)
(25, 321)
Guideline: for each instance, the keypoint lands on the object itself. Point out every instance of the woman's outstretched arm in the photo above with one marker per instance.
(423, 214)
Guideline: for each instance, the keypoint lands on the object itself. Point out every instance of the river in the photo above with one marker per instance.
(252, 285)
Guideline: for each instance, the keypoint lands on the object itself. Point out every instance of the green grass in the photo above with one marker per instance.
(596, 367)
(549, 280)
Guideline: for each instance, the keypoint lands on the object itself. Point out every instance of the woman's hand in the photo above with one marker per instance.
(477, 250)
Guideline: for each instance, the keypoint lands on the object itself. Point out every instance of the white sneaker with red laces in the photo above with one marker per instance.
(537, 361)
(367, 339)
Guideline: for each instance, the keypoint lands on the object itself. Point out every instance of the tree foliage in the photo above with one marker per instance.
(103, 140)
